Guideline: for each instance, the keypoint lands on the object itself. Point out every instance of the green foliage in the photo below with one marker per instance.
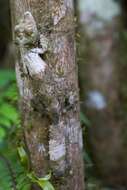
(15, 171)
(8, 97)
(11, 171)
(6, 77)
(84, 120)
(42, 182)
(2, 133)
(23, 157)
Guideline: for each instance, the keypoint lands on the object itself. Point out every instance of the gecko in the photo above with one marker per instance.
(27, 38)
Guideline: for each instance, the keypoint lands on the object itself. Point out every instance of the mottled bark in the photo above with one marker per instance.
(102, 84)
(47, 80)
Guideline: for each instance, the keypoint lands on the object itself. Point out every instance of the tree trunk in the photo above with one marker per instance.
(103, 82)
(47, 80)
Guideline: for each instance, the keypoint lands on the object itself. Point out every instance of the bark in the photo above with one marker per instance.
(47, 80)
(103, 79)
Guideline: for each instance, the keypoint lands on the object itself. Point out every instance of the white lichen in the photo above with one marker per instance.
(41, 149)
(69, 3)
(56, 150)
(72, 131)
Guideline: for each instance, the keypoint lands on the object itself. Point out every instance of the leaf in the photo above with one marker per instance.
(2, 133)
(84, 120)
(9, 112)
(23, 156)
(5, 122)
(42, 182)
(46, 178)
(11, 93)
(6, 76)
(46, 185)
(87, 159)
(5, 182)
(26, 187)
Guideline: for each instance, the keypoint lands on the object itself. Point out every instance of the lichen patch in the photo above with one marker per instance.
(56, 150)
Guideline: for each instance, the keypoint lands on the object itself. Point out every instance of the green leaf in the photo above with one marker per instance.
(42, 182)
(84, 120)
(45, 178)
(23, 156)
(6, 76)
(26, 187)
(5, 122)
(87, 159)
(32, 177)
(2, 133)
(46, 185)
(11, 93)
(9, 112)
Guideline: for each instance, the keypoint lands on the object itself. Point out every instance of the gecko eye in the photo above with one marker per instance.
(28, 31)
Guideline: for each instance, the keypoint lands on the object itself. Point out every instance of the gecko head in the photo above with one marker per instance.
(28, 18)
(27, 14)
(26, 30)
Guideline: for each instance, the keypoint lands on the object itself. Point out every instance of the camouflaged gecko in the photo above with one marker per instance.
(27, 38)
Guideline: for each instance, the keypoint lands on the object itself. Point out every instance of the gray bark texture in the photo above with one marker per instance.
(47, 80)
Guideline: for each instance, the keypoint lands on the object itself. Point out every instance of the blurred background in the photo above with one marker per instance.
(101, 38)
